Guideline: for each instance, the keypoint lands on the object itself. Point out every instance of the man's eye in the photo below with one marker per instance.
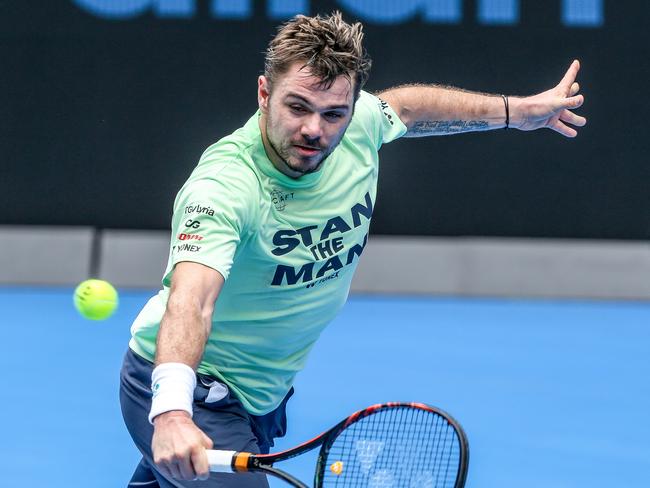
(297, 109)
(333, 115)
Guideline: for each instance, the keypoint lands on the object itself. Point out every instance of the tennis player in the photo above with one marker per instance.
(267, 233)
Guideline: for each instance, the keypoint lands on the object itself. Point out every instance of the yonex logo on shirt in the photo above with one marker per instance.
(186, 247)
(323, 280)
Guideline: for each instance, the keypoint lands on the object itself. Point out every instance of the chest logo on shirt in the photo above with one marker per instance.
(325, 244)
(280, 198)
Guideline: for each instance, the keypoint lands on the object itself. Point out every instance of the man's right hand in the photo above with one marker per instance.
(178, 447)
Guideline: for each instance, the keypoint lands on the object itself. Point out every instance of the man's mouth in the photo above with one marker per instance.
(307, 150)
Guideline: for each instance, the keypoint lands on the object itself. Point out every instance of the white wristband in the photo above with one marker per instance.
(173, 386)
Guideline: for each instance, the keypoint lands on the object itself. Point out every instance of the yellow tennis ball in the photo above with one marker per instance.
(337, 468)
(95, 299)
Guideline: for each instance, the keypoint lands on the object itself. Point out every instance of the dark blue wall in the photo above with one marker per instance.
(102, 119)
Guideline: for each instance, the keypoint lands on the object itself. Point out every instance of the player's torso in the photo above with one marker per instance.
(309, 237)
(291, 275)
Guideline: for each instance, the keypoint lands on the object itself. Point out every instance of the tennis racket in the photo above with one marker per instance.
(389, 445)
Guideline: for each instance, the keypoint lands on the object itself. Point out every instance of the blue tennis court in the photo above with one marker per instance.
(549, 393)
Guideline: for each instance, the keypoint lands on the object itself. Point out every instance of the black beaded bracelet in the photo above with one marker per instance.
(505, 101)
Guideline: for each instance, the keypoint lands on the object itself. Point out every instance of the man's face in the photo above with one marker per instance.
(301, 121)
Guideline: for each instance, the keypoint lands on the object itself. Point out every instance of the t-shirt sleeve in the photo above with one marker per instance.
(212, 215)
(384, 124)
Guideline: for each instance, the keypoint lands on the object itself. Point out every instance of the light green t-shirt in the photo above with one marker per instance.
(287, 248)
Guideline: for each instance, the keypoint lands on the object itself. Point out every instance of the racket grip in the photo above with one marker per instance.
(220, 461)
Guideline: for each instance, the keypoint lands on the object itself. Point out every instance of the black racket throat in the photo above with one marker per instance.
(263, 463)
(278, 473)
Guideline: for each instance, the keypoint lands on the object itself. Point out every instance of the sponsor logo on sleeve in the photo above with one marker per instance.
(186, 248)
(189, 237)
(384, 108)
(193, 224)
(197, 208)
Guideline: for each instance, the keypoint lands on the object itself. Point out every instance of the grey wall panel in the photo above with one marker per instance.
(409, 265)
(551, 268)
(424, 265)
(45, 255)
(505, 267)
(134, 258)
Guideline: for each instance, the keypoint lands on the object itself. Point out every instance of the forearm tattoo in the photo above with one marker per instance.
(444, 127)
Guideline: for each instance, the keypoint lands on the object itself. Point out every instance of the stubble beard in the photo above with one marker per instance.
(285, 157)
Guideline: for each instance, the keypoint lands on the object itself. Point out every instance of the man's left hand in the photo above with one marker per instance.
(553, 108)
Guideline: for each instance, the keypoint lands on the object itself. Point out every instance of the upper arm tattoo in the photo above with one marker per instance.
(444, 127)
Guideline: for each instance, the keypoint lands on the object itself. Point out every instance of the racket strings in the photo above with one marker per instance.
(395, 448)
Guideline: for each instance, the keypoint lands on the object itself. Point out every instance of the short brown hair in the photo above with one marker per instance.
(328, 46)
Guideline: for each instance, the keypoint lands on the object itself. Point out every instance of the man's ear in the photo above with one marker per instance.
(263, 93)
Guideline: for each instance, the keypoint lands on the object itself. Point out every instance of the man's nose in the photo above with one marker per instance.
(312, 128)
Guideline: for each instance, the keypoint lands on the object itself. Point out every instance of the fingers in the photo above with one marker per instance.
(200, 464)
(573, 119)
(177, 467)
(165, 471)
(178, 447)
(200, 458)
(169, 470)
(570, 76)
(565, 130)
(192, 466)
(575, 88)
(186, 468)
(207, 442)
(572, 102)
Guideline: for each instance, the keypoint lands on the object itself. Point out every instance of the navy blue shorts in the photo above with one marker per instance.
(217, 412)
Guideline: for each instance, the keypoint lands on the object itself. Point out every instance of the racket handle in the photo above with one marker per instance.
(220, 461)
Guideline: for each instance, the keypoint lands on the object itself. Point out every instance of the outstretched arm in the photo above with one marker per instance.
(437, 110)
(178, 445)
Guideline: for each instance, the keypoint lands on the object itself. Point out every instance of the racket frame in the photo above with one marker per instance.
(334, 432)
(247, 462)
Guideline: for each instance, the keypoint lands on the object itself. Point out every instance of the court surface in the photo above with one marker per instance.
(551, 394)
